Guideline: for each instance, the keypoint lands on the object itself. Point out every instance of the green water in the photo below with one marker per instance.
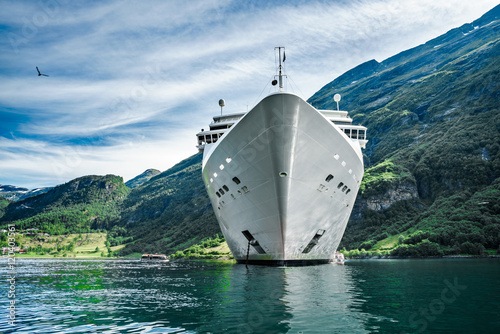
(376, 296)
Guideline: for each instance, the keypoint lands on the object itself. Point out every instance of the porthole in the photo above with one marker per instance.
(329, 178)
(221, 191)
(341, 184)
(344, 188)
(236, 180)
(283, 174)
(217, 193)
(225, 188)
(348, 191)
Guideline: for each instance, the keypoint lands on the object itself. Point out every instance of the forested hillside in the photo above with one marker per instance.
(89, 202)
(433, 160)
(170, 212)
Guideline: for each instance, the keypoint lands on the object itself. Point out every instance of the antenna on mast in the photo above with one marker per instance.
(336, 98)
(280, 67)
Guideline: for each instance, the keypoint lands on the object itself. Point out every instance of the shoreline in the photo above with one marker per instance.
(232, 260)
(424, 257)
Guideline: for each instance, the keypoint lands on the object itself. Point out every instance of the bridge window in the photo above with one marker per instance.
(201, 140)
(361, 134)
(347, 132)
(208, 139)
(215, 137)
(354, 134)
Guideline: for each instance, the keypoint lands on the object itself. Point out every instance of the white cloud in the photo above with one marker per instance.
(138, 79)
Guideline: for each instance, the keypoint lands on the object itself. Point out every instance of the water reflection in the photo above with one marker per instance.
(128, 296)
(252, 303)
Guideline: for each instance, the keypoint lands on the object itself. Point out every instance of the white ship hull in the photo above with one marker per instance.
(269, 179)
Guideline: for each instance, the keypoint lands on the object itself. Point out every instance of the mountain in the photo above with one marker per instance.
(433, 159)
(142, 178)
(167, 213)
(88, 202)
(13, 193)
(170, 212)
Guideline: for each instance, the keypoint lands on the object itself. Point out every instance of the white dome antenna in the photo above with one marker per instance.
(336, 98)
(222, 103)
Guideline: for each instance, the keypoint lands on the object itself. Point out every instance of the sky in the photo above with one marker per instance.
(130, 83)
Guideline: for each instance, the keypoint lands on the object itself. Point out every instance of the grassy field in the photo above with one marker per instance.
(82, 245)
(208, 248)
(223, 249)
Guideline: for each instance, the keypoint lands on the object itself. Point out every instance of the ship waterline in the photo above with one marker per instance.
(282, 181)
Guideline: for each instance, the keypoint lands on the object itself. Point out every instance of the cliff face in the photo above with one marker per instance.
(399, 192)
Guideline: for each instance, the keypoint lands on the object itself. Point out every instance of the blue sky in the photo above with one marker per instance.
(131, 82)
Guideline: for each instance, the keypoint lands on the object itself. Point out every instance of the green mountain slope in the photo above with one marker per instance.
(86, 203)
(432, 114)
(170, 212)
(142, 178)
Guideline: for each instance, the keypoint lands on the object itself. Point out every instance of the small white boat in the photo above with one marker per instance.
(339, 258)
(154, 257)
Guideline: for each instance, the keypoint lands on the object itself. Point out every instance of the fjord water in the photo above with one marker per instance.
(373, 296)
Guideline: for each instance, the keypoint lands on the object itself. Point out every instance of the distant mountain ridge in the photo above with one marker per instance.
(13, 193)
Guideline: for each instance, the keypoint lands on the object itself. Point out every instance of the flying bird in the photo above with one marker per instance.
(39, 74)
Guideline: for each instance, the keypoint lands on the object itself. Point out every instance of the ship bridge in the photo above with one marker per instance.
(344, 122)
(217, 128)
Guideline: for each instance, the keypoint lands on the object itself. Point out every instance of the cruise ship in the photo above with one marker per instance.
(283, 177)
